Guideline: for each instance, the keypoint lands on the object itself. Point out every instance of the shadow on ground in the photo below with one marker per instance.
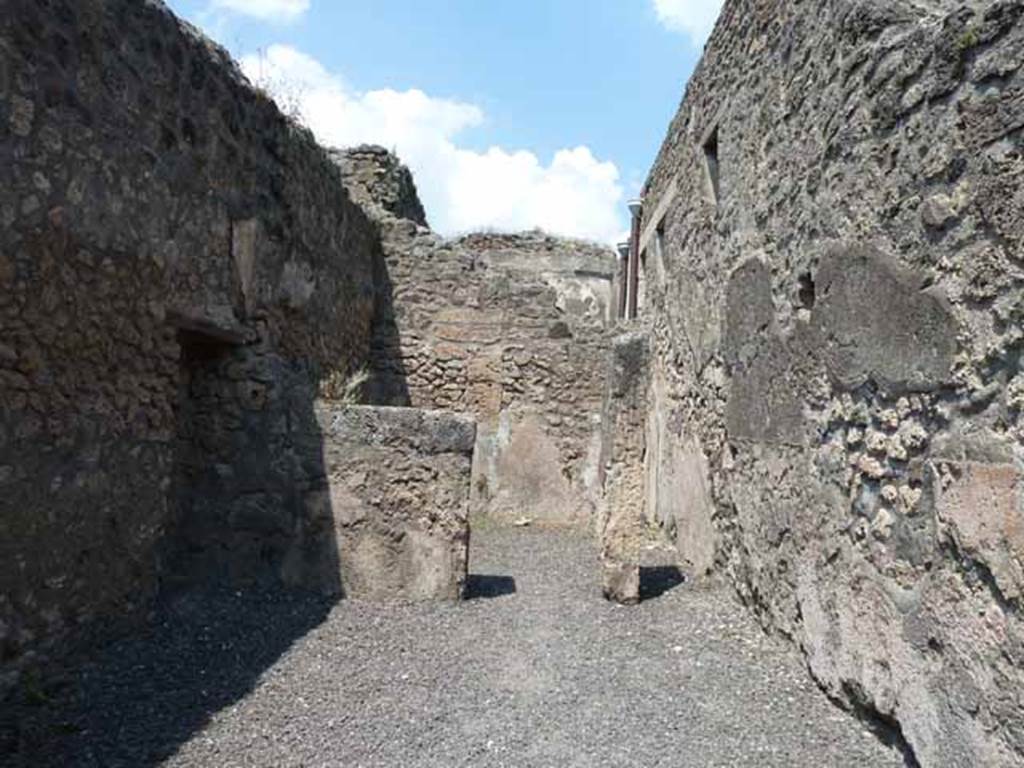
(483, 586)
(142, 691)
(659, 579)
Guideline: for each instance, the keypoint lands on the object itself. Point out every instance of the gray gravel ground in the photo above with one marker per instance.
(535, 670)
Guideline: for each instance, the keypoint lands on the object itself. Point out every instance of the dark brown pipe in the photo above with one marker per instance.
(634, 262)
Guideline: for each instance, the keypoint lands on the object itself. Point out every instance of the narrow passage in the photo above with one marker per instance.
(536, 669)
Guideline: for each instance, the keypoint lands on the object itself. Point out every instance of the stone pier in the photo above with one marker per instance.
(391, 519)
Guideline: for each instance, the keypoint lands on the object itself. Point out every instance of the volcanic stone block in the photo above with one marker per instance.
(877, 322)
(391, 520)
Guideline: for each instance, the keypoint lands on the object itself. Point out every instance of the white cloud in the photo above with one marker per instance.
(462, 189)
(267, 10)
(695, 18)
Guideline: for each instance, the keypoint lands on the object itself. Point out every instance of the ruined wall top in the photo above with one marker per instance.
(378, 180)
(376, 177)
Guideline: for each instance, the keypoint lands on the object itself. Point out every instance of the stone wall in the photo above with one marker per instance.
(510, 328)
(392, 519)
(377, 179)
(835, 302)
(179, 266)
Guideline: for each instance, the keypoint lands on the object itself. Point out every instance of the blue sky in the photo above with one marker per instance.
(511, 114)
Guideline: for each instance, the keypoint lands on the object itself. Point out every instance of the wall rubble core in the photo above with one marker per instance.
(835, 342)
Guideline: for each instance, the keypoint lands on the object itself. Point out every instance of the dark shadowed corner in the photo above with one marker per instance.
(388, 382)
(656, 580)
(485, 586)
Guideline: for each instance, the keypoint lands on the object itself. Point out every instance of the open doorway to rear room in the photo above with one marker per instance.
(203, 424)
(712, 169)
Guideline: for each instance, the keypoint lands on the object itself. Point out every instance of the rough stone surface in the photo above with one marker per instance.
(375, 177)
(907, 344)
(393, 519)
(978, 508)
(620, 519)
(835, 320)
(179, 266)
(535, 671)
(510, 328)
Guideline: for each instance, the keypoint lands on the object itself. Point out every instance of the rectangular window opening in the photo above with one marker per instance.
(641, 286)
(659, 244)
(711, 165)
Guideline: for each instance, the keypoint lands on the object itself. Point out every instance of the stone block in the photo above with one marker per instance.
(620, 580)
(980, 507)
(749, 313)
(876, 323)
(391, 521)
(245, 239)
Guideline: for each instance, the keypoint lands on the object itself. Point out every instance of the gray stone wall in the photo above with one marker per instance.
(392, 519)
(835, 313)
(510, 328)
(179, 265)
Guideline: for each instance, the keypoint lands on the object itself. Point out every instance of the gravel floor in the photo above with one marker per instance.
(535, 670)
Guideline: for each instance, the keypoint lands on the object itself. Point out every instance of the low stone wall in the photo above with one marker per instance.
(179, 267)
(392, 520)
(834, 290)
(511, 328)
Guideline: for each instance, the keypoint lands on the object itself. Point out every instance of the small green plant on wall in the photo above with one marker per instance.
(968, 39)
